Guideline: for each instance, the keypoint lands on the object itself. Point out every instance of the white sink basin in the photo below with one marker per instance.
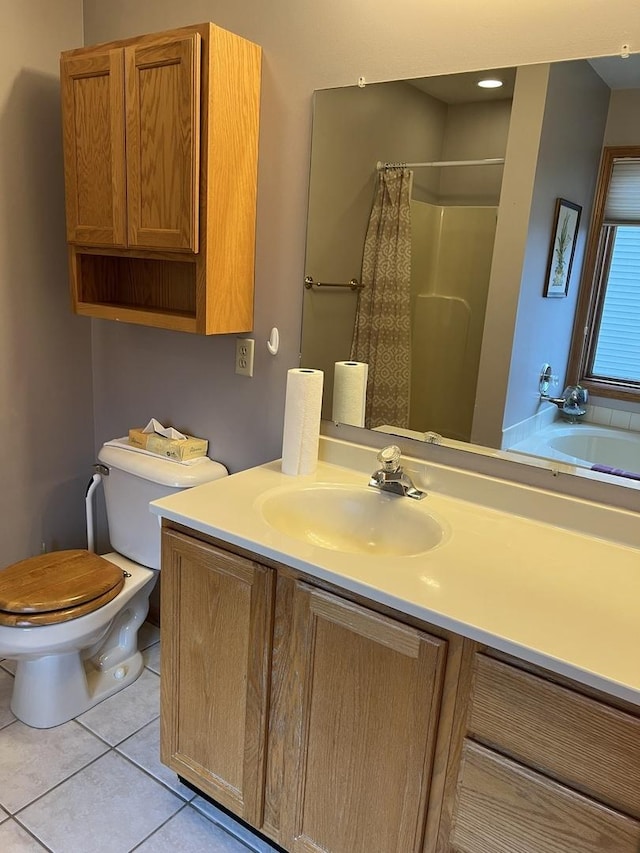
(356, 520)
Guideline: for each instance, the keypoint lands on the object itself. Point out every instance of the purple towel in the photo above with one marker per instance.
(616, 472)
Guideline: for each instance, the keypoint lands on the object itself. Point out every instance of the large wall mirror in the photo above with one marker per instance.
(485, 169)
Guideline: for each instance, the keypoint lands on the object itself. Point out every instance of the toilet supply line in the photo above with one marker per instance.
(94, 482)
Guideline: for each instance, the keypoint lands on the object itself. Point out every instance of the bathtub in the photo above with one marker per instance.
(587, 445)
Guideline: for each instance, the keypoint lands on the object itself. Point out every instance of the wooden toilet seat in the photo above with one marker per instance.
(56, 587)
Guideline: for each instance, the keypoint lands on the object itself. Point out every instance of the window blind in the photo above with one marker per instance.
(623, 198)
(617, 353)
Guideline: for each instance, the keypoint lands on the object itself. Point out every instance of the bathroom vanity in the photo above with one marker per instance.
(474, 691)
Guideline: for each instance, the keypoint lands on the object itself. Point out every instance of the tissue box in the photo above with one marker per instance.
(180, 449)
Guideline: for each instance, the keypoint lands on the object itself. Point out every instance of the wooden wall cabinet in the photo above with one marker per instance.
(160, 152)
(332, 727)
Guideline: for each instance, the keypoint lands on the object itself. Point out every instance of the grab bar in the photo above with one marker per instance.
(354, 284)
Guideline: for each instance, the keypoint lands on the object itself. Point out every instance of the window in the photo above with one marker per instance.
(606, 347)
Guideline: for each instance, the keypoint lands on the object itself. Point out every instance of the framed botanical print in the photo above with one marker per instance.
(563, 244)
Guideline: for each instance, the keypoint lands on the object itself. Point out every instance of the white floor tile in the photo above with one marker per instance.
(34, 760)
(75, 794)
(191, 832)
(13, 838)
(126, 712)
(233, 827)
(151, 657)
(109, 807)
(6, 689)
(143, 748)
(148, 635)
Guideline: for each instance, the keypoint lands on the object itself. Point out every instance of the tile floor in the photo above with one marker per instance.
(96, 785)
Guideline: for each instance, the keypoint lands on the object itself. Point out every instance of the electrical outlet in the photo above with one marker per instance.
(244, 356)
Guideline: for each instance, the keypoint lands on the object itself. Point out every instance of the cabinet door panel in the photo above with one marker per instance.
(94, 158)
(216, 623)
(361, 755)
(502, 806)
(163, 143)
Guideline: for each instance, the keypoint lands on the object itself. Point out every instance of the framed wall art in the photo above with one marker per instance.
(563, 244)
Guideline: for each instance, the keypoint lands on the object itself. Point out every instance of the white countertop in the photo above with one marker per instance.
(560, 597)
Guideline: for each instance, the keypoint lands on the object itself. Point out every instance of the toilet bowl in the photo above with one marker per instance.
(71, 619)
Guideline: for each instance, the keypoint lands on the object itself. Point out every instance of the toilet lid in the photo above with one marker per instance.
(58, 581)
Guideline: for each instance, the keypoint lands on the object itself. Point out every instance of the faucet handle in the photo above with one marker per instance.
(389, 457)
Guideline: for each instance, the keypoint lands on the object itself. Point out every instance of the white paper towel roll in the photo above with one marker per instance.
(349, 392)
(302, 409)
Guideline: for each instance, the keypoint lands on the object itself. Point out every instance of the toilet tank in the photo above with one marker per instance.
(132, 479)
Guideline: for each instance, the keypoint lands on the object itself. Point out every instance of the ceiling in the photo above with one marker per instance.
(617, 73)
(463, 88)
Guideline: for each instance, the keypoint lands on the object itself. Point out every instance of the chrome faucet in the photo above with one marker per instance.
(390, 477)
(572, 402)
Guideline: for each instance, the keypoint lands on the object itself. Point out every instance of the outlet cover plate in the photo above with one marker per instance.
(244, 356)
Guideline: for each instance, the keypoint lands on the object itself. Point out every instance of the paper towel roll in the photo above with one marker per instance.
(302, 409)
(349, 392)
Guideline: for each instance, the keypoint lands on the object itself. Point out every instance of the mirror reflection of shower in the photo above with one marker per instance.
(453, 211)
(420, 314)
(452, 248)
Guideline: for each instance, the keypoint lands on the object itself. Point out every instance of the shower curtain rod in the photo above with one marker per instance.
(494, 161)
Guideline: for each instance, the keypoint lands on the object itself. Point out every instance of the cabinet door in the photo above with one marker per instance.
(163, 143)
(94, 159)
(359, 759)
(216, 645)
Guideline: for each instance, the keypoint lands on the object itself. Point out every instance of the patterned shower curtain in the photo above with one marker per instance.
(382, 333)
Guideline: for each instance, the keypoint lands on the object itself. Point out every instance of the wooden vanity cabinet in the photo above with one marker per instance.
(342, 760)
(160, 140)
(541, 767)
(331, 725)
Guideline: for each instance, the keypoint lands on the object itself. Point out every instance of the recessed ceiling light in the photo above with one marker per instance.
(490, 83)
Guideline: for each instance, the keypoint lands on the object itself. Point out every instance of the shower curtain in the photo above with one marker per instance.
(382, 333)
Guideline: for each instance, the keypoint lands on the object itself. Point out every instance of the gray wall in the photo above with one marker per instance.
(474, 131)
(46, 419)
(623, 121)
(353, 128)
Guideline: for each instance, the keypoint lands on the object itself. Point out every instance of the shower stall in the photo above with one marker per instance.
(451, 248)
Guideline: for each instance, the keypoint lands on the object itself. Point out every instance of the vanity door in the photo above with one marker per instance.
(359, 754)
(216, 658)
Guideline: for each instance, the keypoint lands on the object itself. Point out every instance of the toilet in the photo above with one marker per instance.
(70, 619)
